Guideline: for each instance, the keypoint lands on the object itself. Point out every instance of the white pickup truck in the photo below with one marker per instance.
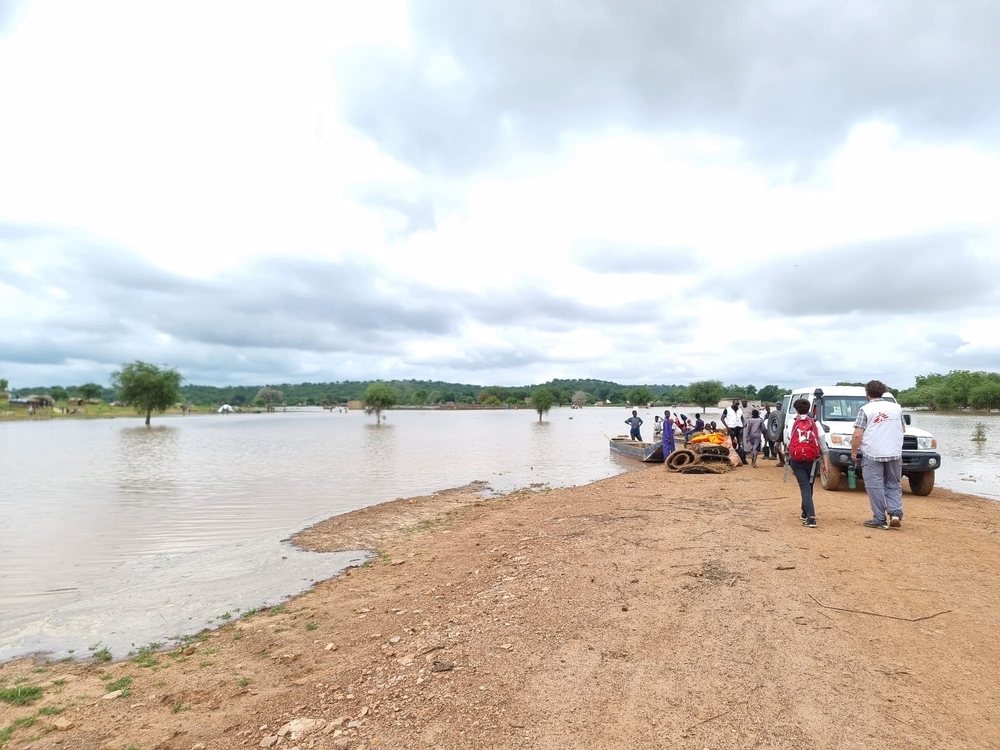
(835, 407)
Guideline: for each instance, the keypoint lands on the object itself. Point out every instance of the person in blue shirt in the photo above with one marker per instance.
(635, 422)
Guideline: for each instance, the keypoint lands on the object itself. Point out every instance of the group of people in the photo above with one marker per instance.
(746, 426)
(877, 439)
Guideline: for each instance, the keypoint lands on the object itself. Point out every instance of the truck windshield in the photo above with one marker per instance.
(842, 408)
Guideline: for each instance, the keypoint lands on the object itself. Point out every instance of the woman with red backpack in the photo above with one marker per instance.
(803, 453)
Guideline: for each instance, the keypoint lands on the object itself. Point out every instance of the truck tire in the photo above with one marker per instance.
(921, 483)
(774, 428)
(829, 476)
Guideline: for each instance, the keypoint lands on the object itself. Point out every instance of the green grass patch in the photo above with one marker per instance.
(281, 609)
(311, 626)
(238, 635)
(121, 683)
(21, 695)
(206, 663)
(49, 711)
(243, 682)
(178, 708)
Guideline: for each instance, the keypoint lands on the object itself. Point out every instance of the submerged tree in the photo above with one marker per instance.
(378, 397)
(542, 399)
(270, 396)
(147, 387)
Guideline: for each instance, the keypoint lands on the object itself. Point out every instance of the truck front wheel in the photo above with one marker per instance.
(829, 476)
(921, 483)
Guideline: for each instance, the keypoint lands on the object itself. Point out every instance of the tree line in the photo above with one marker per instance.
(428, 392)
(959, 389)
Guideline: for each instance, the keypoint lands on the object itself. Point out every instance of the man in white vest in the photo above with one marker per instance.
(878, 433)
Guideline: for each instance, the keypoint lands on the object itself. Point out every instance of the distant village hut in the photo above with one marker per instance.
(39, 402)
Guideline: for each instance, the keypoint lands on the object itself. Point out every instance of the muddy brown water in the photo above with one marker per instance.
(114, 533)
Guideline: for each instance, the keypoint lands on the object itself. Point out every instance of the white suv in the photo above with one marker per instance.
(835, 407)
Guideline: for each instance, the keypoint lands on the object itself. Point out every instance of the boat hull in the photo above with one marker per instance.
(650, 453)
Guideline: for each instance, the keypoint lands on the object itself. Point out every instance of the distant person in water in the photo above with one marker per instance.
(635, 422)
(668, 435)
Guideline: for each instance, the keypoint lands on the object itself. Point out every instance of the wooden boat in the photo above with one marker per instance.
(650, 453)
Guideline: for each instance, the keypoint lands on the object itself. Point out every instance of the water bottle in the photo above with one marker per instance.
(852, 479)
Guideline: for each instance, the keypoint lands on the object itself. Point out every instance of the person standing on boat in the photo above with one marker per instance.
(635, 422)
(668, 435)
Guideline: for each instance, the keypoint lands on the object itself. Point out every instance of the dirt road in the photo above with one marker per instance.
(649, 610)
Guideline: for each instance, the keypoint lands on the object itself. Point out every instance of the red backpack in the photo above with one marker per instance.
(804, 444)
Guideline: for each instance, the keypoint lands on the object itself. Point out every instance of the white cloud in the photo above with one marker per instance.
(216, 141)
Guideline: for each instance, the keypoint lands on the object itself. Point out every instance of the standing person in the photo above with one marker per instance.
(668, 435)
(752, 436)
(635, 422)
(767, 443)
(878, 433)
(803, 452)
(732, 419)
(746, 418)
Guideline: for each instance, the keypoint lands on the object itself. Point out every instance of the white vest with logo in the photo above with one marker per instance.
(883, 437)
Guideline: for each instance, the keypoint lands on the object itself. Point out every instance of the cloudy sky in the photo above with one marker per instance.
(766, 191)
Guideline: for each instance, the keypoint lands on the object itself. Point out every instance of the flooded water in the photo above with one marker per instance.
(113, 532)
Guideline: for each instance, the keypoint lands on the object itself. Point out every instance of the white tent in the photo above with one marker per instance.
(225, 409)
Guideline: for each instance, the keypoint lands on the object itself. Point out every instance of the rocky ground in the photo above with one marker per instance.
(649, 610)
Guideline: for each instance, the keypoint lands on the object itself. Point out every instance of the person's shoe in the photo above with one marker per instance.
(895, 521)
(810, 523)
(875, 524)
(802, 516)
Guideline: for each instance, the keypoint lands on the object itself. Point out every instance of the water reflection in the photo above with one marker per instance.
(380, 440)
(146, 461)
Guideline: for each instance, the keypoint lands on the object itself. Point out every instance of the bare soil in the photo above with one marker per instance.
(649, 610)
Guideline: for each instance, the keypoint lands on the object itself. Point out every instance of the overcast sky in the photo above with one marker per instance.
(769, 191)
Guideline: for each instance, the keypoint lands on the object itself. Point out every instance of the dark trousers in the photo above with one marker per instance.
(634, 434)
(736, 435)
(804, 476)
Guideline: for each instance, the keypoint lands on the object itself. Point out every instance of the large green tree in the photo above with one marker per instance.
(58, 393)
(706, 393)
(378, 397)
(985, 395)
(3, 384)
(640, 396)
(89, 390)
(770, 394)
(542, 399)
(147, 387)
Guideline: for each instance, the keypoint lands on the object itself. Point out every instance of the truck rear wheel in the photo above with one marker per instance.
(829, 476)
(921, 483)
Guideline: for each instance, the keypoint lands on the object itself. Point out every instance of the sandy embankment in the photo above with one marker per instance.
(649, 610)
